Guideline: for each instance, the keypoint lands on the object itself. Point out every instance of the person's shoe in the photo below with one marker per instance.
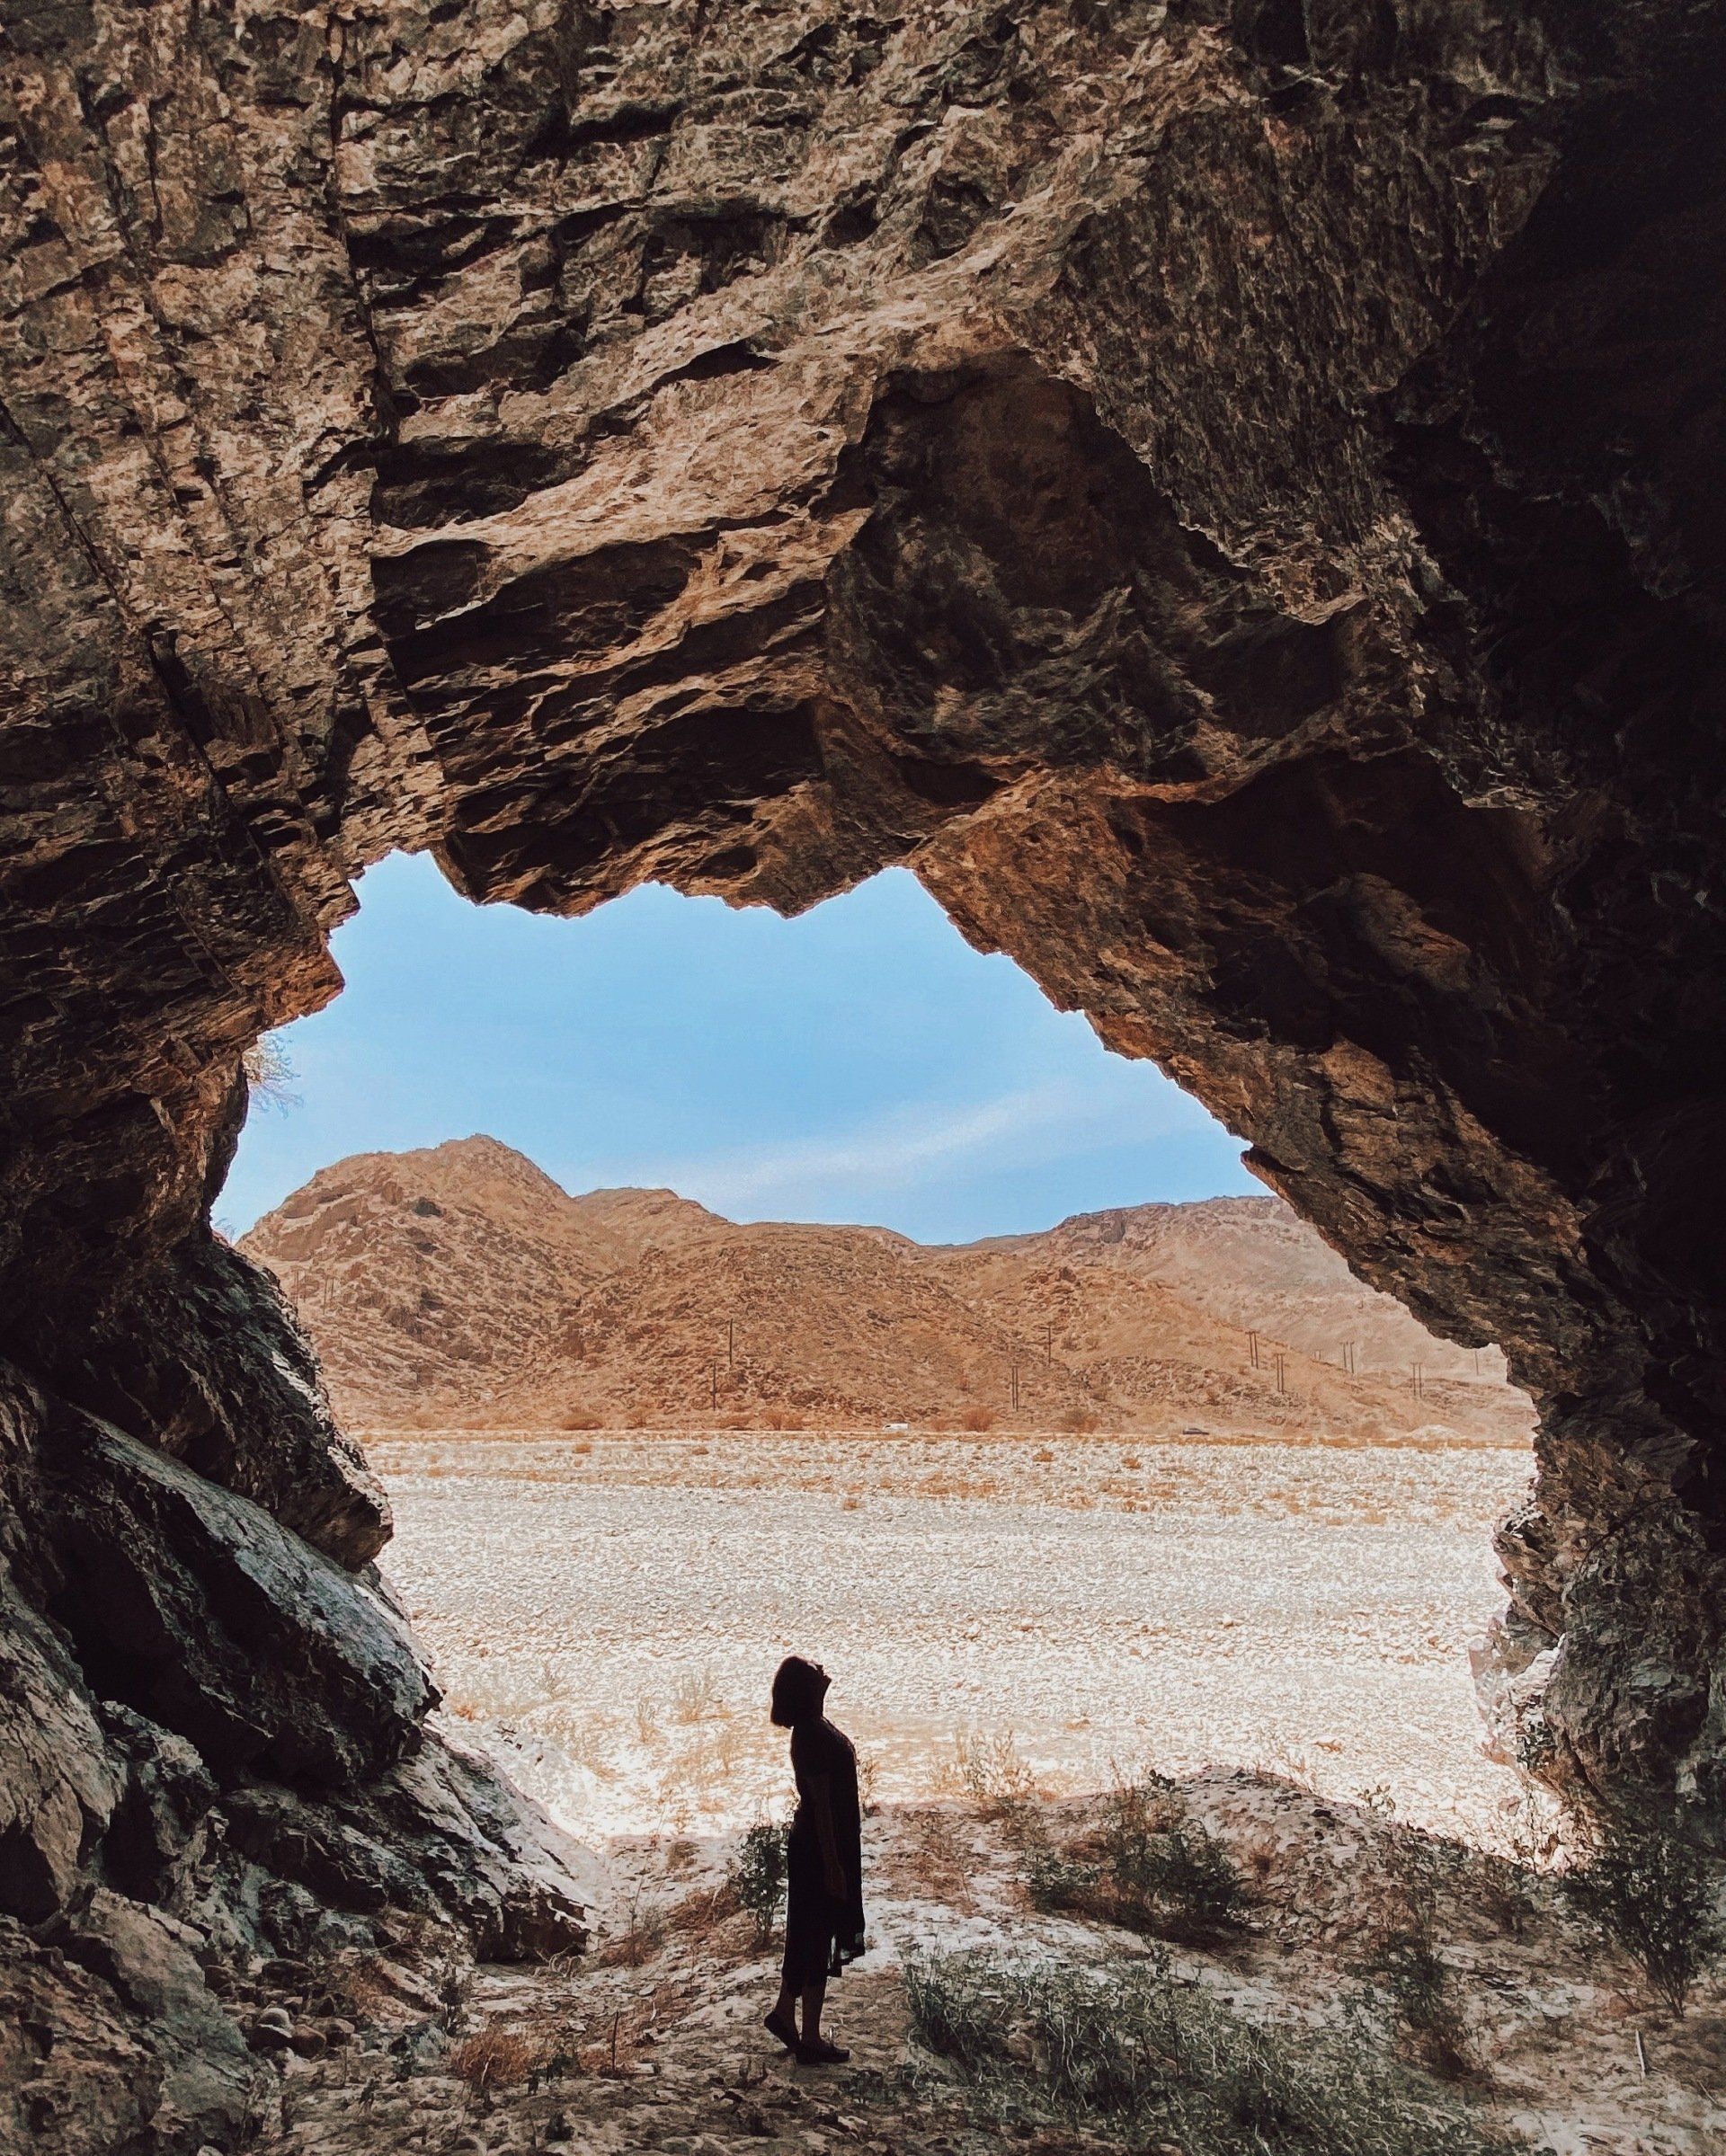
(821, 2053)
(778, 2025)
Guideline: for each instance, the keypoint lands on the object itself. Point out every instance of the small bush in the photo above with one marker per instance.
(994, 1776)
(1403, 1960)
(1128, 2048)
(493, 2058)
(1654, 1897)
(695, 1698)
(757, 1874)
(960, 2008)
(641, 1936)
(976, 1417)
(1421, 1990)
(1159, 1874)
(1080, 1422)
(579, 1418)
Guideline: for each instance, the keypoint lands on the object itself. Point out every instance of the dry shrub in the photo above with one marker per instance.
(641, 1936)
(1080, 1422)
(580, 1418)
(495, 2058)
(783, 1418)
(994, 1776)
(713, 1920)
(695, 1698)
(360, 1990)
(975, 1417)
(1044, 1455)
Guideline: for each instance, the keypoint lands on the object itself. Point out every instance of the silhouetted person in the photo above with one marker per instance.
(824, 1908)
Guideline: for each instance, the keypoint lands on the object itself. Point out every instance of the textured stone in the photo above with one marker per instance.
(195, 1607)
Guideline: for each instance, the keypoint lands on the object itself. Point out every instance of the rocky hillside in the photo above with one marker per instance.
(1252, 1262)
(461, 1285)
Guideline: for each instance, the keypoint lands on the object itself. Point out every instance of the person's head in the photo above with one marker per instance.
(799, 1687)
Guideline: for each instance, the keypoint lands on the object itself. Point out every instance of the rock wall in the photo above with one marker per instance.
(1228, 494)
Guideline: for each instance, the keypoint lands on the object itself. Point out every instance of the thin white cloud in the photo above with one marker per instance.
(896, 1150)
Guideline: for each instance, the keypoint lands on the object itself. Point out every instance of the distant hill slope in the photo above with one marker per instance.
(1253, 1263)
(460, 1284)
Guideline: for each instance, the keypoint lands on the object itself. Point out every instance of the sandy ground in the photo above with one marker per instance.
(653, 2039)
(605, 1611)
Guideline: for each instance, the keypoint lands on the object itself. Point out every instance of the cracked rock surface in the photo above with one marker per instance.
(1227, 493)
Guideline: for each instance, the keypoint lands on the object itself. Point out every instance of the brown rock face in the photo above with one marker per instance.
(1228, 494)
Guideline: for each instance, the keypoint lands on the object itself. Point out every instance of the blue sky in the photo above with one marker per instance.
(860, 1064)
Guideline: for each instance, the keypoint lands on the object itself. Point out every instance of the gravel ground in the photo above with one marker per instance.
(605, 1612)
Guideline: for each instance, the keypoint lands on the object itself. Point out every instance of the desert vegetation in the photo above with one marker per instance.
(1229, 1966)
(1655, 1898)
(1128, 2046)
(1149, 1868)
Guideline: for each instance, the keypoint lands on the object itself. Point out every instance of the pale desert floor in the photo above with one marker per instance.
(605, 1612)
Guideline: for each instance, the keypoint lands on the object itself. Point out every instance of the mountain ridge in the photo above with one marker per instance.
(461, 1285)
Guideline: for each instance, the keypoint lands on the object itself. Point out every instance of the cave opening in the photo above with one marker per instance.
(815, 1283)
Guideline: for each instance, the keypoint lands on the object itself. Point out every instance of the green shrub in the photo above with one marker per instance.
(959, 2007)
(1160, 1873)
(757, 1874)
(1654, 1897)
(1421, 1990)
(1403, 1961)
(1127, 2048)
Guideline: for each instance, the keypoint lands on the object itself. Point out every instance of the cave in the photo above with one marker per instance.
(1227, 496)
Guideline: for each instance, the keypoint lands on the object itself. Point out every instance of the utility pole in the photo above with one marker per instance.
(1477, 1362)
(1012, 1386)
(1048, 1343)
(1415, 1377)
(1282, 1374)
(731, 1342)
(714, 1373)
(1252, 1345)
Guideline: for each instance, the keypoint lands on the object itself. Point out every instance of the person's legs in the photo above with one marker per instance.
(814, 1997)
(782, 2015)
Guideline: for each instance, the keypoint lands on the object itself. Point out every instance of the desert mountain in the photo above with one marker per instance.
(459, 1284)
(1252, 1262)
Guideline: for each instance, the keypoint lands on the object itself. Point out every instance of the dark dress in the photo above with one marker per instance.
(822, 1934)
